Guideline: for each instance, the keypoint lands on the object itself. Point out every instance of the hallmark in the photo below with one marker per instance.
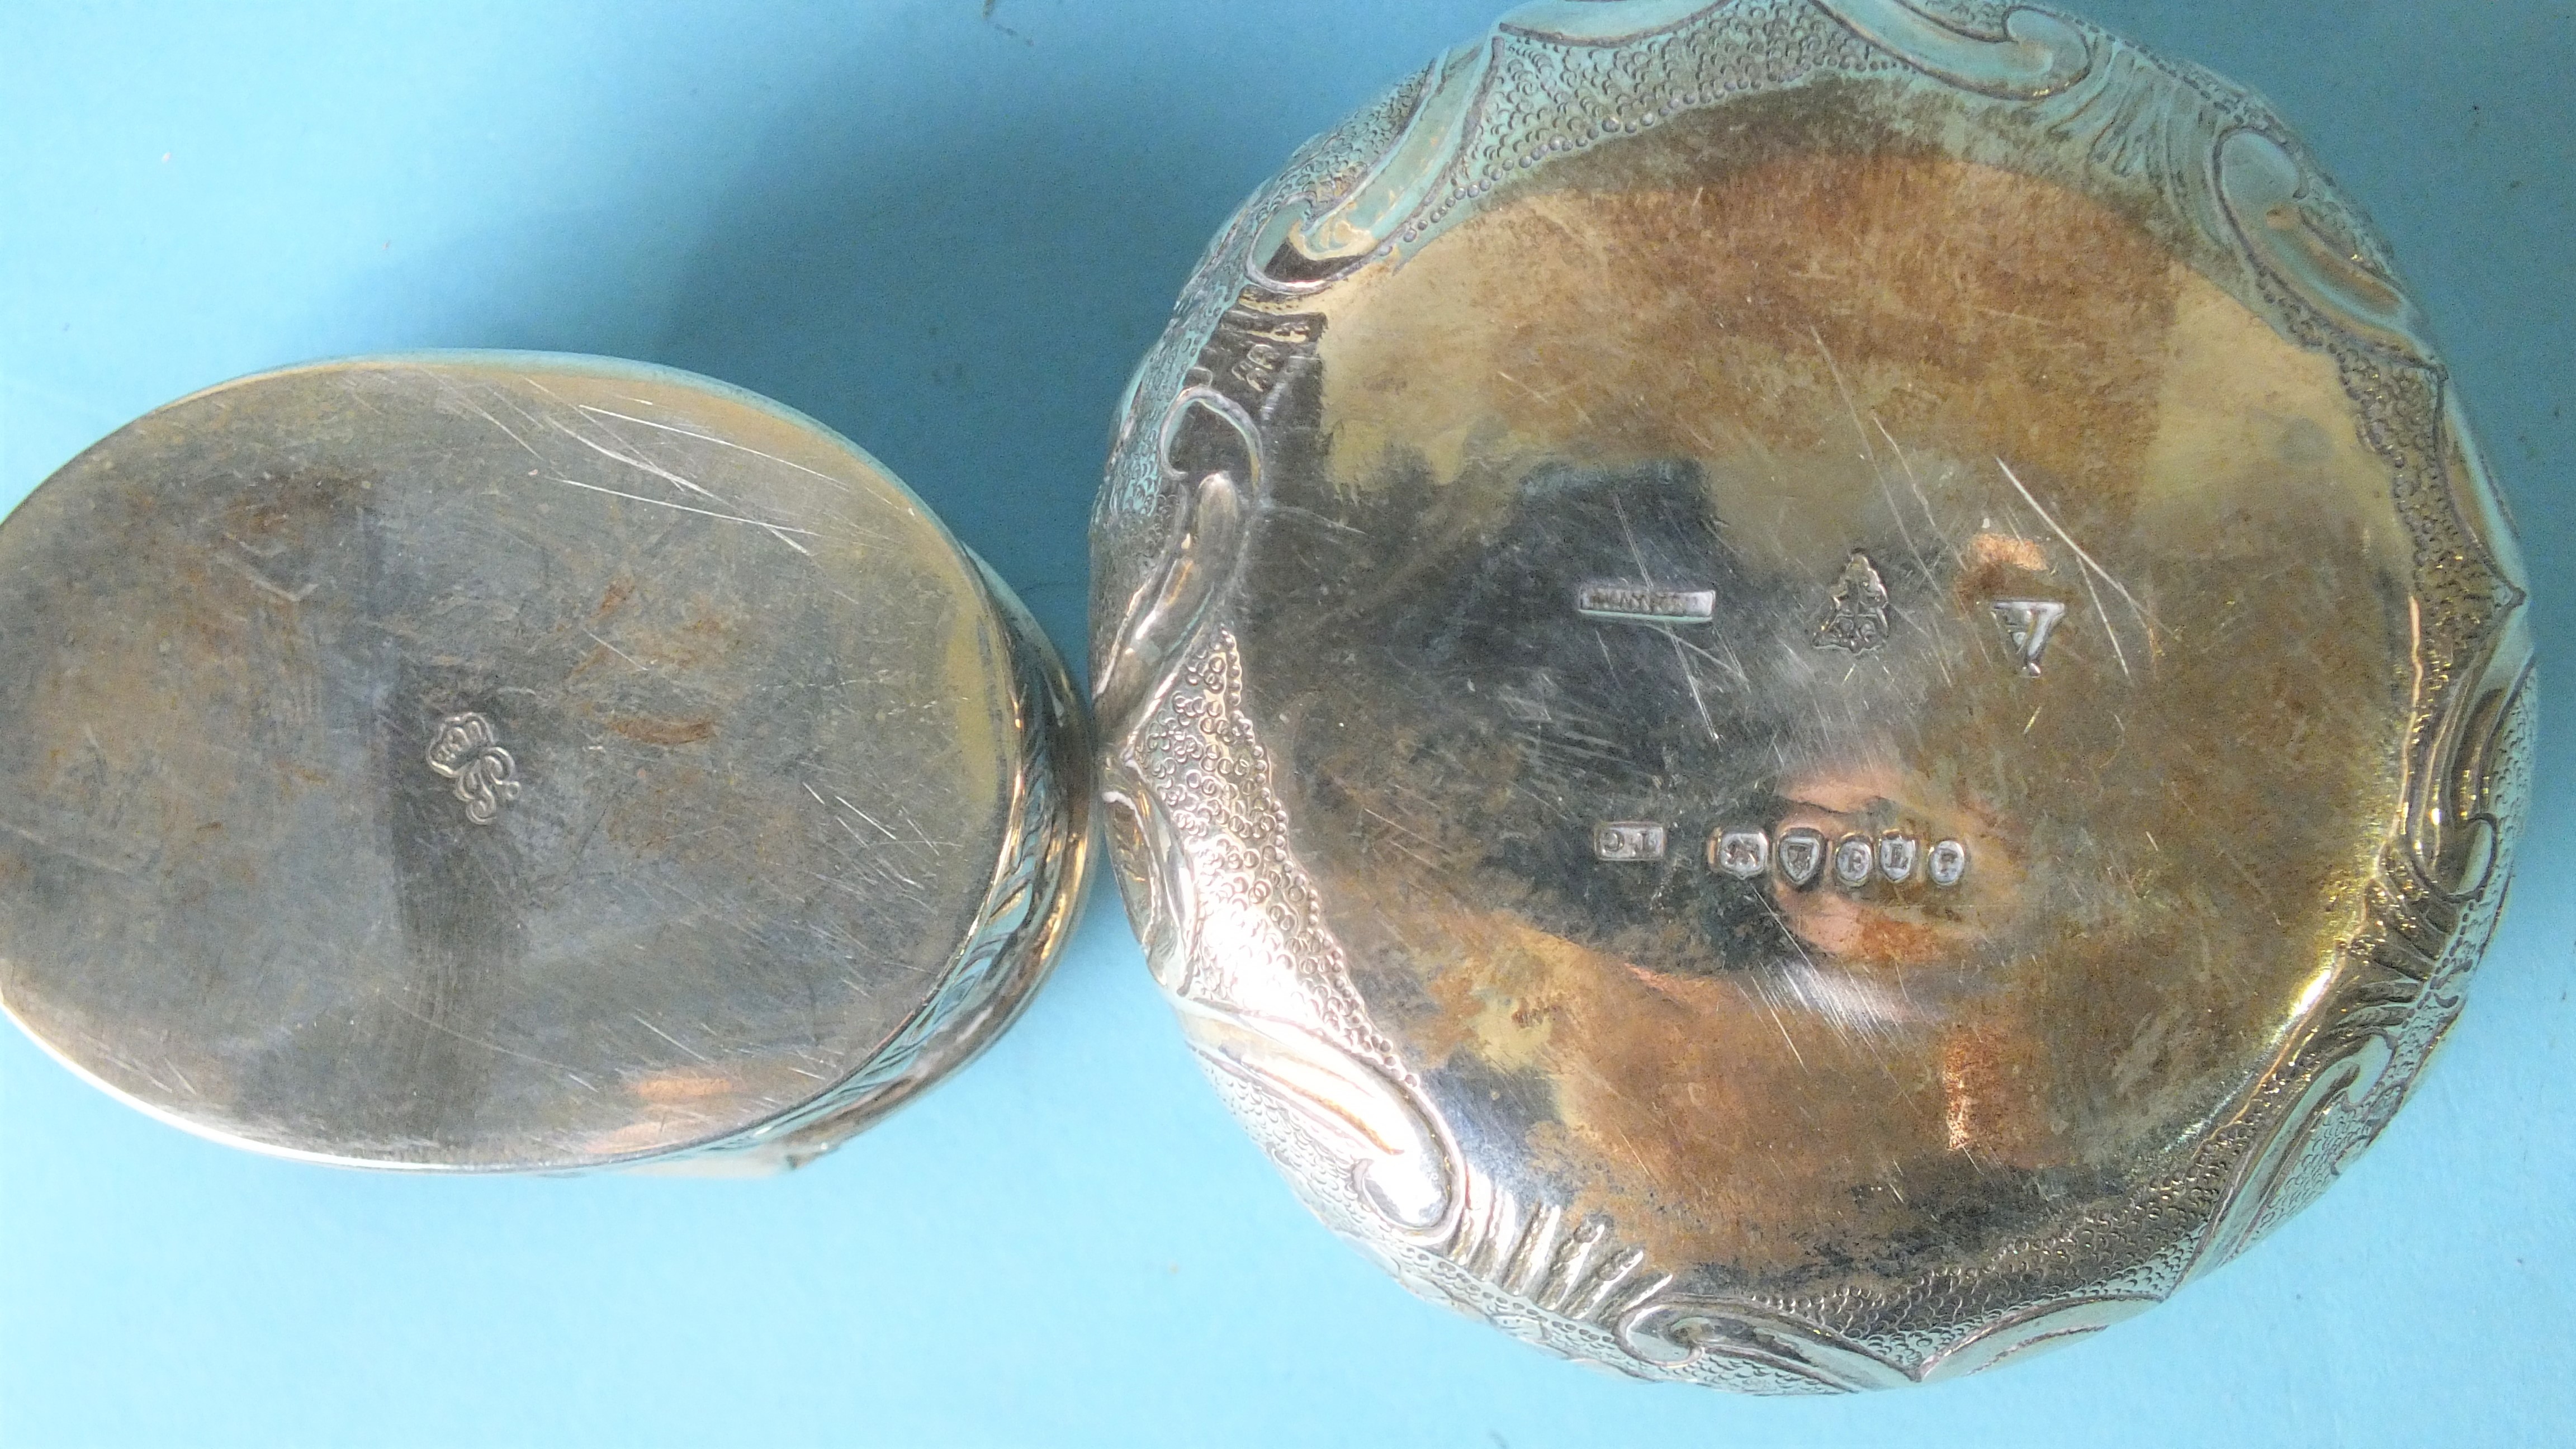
(1742, 854)
(1801, 854)
(1626, 841)
(2027, 625)
(1856, 612)
(1799, 857)
(1854, 859)
(1645, 604)
(1897, 854)
(468, 751)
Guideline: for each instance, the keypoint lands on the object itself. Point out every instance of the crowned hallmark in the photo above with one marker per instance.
(467, 750)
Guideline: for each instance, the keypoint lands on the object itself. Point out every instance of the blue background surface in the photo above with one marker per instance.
(950, 234)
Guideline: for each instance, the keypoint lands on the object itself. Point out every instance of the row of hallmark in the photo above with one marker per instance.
(1800, 856)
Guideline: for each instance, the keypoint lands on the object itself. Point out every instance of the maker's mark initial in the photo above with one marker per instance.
(2027, 624)
(1856, 613)
(1628, 841)
(1645, 604)
(468, 751)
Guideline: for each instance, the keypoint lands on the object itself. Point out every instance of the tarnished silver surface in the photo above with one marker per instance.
(1803, 694)
(495, 761)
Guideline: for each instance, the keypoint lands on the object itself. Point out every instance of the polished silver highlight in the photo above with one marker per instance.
(492, 762)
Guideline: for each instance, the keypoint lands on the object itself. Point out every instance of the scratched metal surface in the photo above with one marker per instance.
(503, 762)
(950, 238)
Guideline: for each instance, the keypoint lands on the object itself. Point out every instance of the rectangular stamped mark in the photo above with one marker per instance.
(1628, 841)
(1645, 604)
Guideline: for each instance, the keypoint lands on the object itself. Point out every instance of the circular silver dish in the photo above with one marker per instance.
(1806, 694)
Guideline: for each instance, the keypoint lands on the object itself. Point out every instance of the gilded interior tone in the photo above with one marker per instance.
(733, 738)
(1735, 352)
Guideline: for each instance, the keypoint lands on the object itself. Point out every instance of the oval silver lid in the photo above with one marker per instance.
(493, 761)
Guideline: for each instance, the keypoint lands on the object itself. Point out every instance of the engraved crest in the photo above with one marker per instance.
(2027, 625)
(1856, 613)
(467, 750)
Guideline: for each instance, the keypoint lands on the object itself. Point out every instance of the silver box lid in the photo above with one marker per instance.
(495, 761)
